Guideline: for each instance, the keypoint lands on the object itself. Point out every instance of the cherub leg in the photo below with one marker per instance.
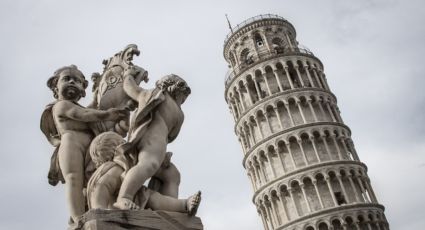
(193, 203)
(150, 159)
(72, 166)
(170, 177)
(158, 201)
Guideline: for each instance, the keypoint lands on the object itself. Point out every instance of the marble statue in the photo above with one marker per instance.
(112, 165)
(70, 131)
(156, 123)
(101, 170)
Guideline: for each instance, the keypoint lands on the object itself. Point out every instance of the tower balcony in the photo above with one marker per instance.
(262, 56)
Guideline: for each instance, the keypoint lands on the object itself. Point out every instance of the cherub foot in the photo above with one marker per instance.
(192, 203)
(125, 204)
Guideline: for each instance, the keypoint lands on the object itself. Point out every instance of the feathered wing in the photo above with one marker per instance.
(48, 127)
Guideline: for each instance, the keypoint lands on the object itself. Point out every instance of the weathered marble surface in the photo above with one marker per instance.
(97, 219)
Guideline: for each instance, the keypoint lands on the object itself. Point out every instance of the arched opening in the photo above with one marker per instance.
(246, 58)
(323, 226)
(261, 83)
(273, 120)
(258, 40)
(278, 45)
(336, 224)
(284, 155)
(273, 84)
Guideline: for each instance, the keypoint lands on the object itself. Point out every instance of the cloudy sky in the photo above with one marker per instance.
(372, 51)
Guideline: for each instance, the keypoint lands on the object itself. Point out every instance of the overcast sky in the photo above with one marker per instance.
(373, 57)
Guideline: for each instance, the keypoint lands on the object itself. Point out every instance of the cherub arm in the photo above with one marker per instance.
(75, 112)
(174, 133)
(131, 87)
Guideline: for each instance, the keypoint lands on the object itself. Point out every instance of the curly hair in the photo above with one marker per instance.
(102, 148)
(53, 81)
(172, 84)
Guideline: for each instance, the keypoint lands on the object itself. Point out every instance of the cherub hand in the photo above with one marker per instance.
(131, 71)
(117, 114)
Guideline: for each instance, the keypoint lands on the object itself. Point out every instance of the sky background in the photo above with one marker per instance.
(372, 51)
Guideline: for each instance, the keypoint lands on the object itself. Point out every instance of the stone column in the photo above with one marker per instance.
(330, 111)
(264, 75)
(249, 93)
(278, 116)
(323, 136)
(256, 87)
(298, 102)
(341, 183)
(288, 146)
(293, 201)
(344, 145)
(260, 173)
(305, 197)
(241, 98)
(266, 41)
(312, 109)
(275, 212)
(323, 78)
(289, 77)
(308, 75)
(289, 113)
(276, 75)
(321, 109)
(299, 75)
(359, 181)
(281, 161)
(289, 42)
(331, 190)
(264, 171)
(259, 126)
(283, 201)
(312, 139)
(302, 150)
(251, 130)
(269, 159)
(333, 137)
(271, 217)
(318, 193)
(317, 78)
(353, 186)
(265, 113)
(369, 187)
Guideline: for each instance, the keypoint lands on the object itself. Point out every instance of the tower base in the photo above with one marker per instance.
(137, 220)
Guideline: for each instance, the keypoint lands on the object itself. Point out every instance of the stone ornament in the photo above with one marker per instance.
(104, 159)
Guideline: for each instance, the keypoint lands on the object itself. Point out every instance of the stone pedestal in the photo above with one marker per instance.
(137, 220)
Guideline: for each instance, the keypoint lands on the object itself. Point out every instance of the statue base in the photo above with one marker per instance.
(98, 219)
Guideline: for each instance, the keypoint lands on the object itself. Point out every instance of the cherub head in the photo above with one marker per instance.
(129, 52)
(175, 86)
(103, 147)
(68, 83)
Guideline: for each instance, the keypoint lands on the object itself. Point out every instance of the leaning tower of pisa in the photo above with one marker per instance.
(298, 152)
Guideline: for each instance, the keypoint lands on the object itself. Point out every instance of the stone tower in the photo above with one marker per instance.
(298, 152)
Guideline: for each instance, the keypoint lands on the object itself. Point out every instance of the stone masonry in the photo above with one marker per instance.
(298, 153)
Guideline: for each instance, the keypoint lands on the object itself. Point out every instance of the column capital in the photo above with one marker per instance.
(314, 181)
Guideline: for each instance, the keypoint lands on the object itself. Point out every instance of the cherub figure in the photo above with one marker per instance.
(157, 122)
(103, 186)
(66, 125)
